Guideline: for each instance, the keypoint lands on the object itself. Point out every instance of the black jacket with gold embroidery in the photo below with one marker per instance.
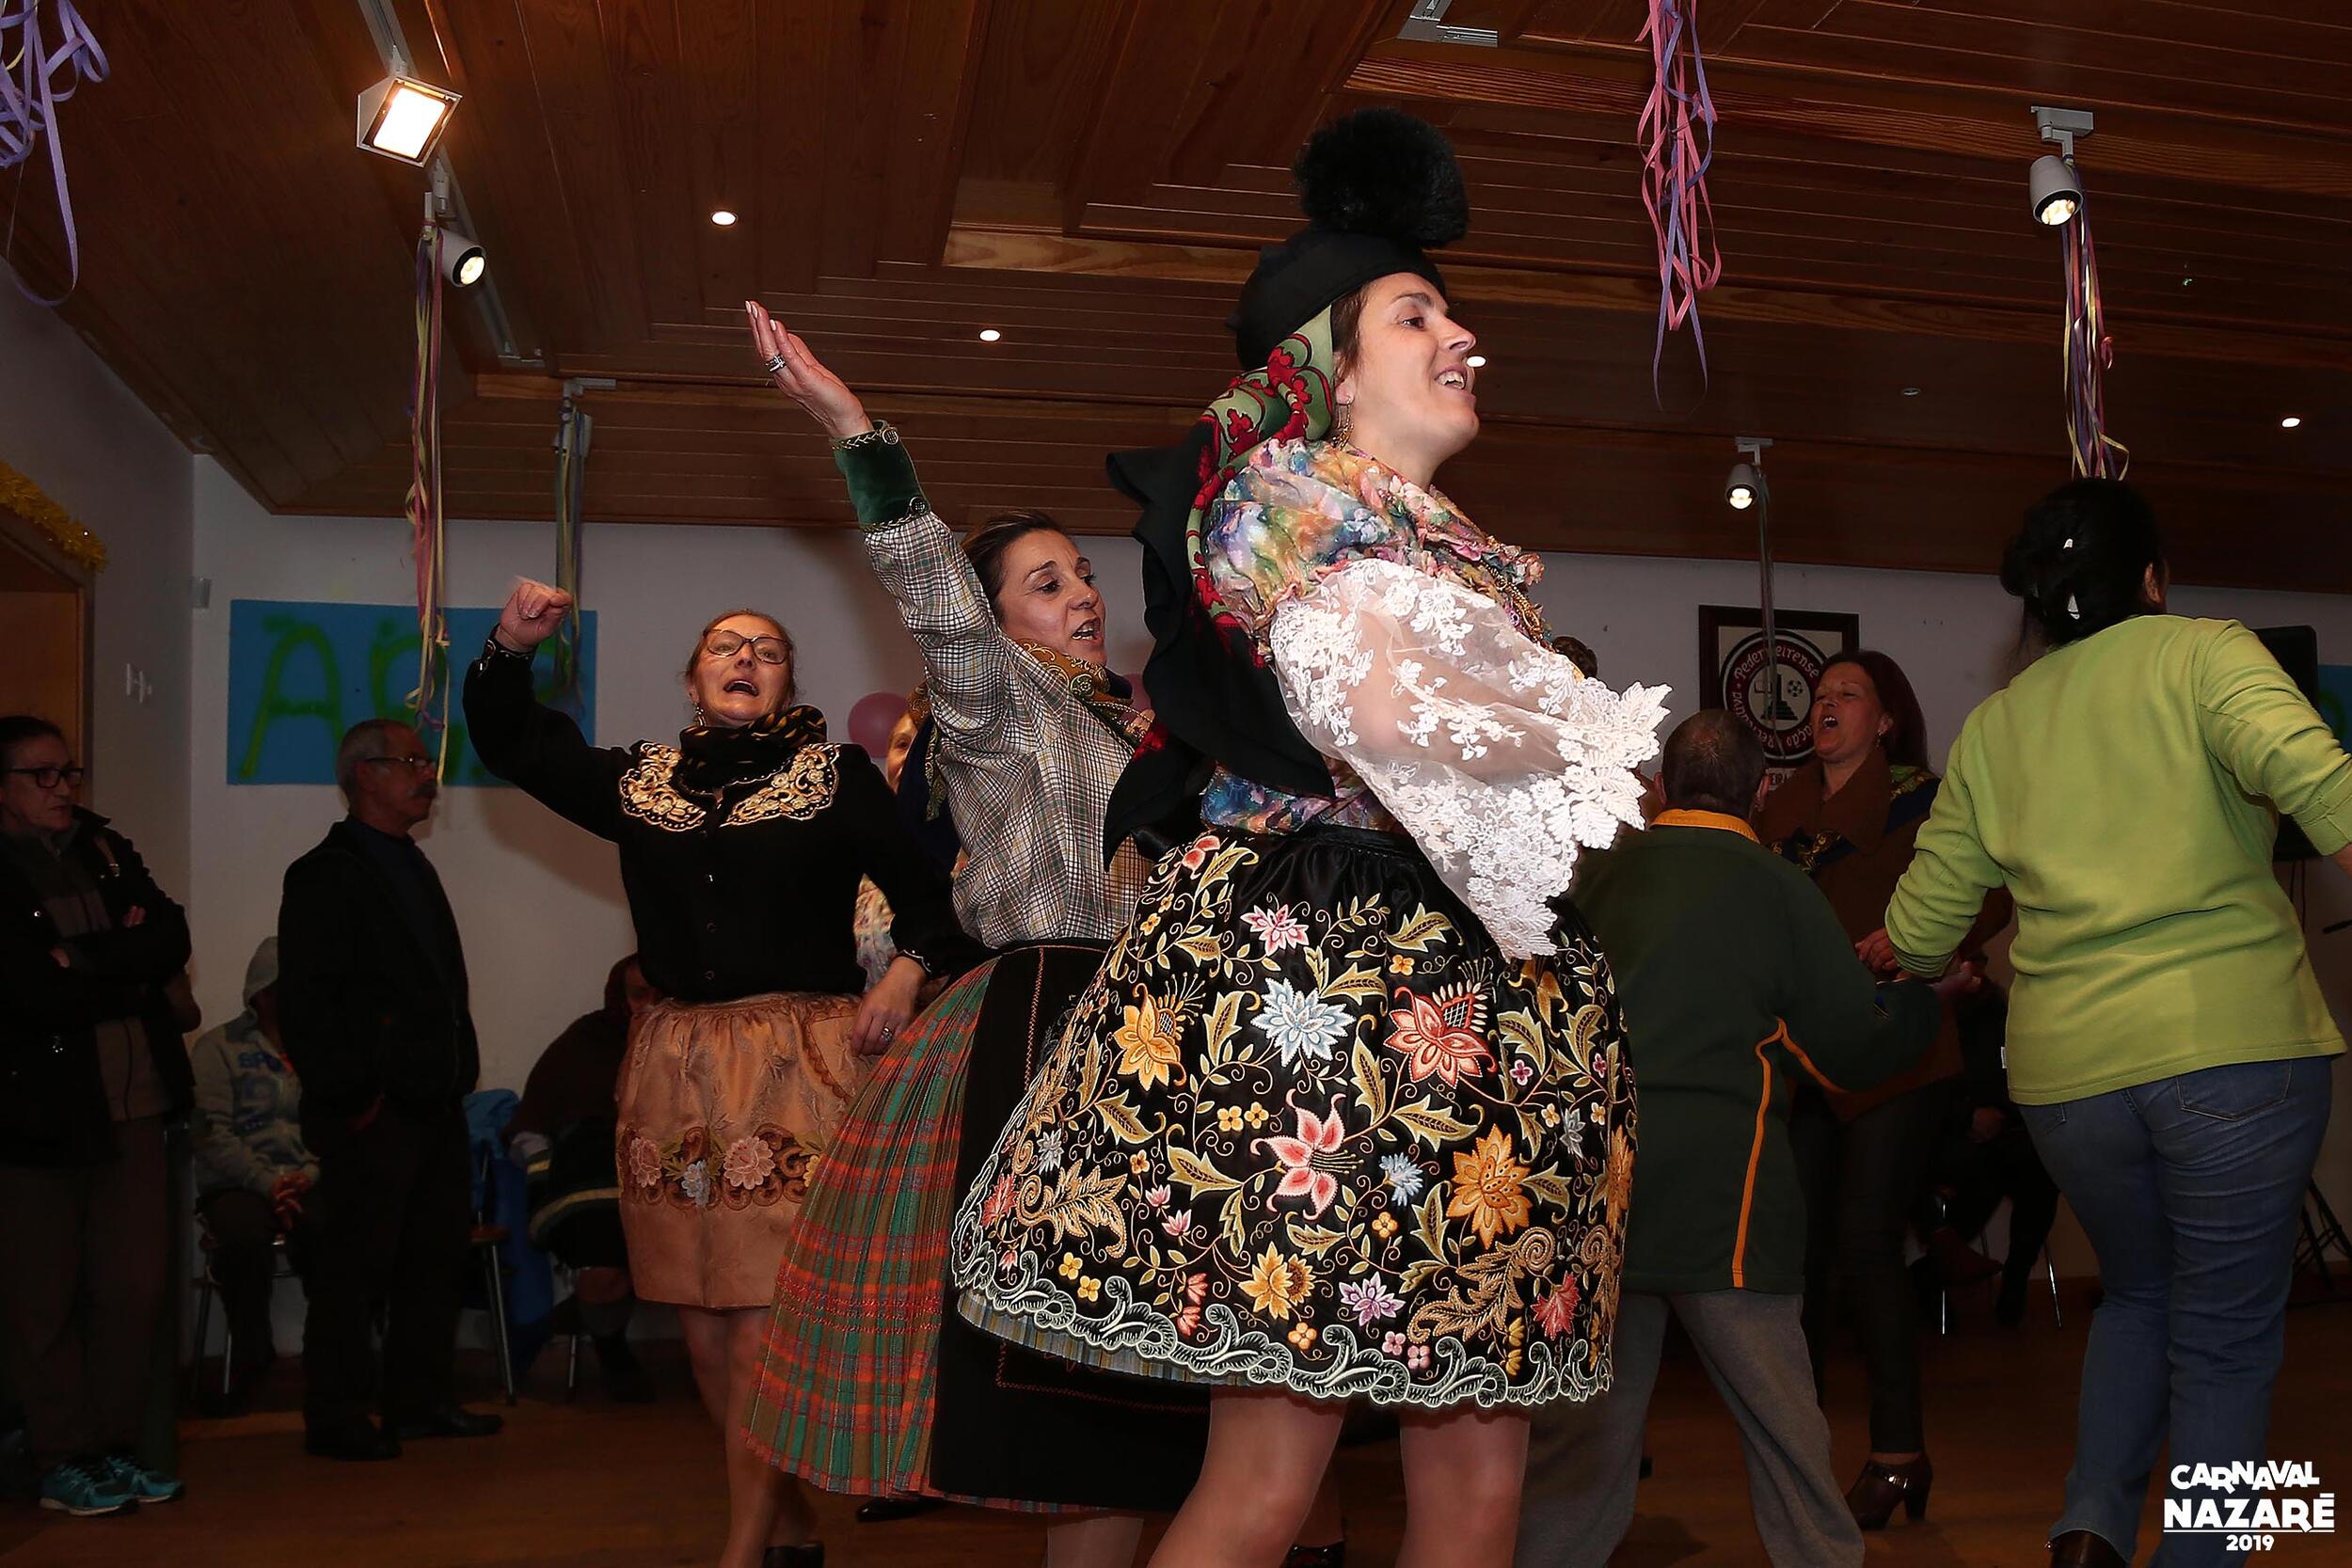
(744, 889)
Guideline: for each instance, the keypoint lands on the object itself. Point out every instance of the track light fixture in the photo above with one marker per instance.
(2056, 193)
(1745, 487)
(463, 259)
(403, 117)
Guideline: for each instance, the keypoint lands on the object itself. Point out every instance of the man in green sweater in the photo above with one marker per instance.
(1735, 978)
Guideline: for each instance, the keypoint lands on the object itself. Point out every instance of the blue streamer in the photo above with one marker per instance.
(37, 77)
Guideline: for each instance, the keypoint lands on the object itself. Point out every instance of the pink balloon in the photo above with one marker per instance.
(872, 717)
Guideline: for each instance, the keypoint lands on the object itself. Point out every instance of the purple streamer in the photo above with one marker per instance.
(1677, 136)
(46, 75)
(2089, 353)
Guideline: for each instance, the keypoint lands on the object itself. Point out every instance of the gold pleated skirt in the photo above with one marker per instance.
(724, 1108)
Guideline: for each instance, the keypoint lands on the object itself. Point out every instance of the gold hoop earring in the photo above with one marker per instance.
(1342, 421)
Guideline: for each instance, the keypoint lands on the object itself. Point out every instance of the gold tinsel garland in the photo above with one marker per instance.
(24, 497)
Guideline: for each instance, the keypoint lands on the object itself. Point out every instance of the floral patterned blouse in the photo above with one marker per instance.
(1411, 656)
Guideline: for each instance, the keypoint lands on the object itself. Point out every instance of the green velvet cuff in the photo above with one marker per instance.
(883, 485)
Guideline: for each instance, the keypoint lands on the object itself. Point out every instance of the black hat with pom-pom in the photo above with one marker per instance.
(1381, 190)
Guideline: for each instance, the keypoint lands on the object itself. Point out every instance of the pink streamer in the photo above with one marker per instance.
(1677, 136)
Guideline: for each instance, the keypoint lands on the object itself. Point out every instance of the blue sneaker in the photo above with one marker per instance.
(87, 1491)
(148, 1486)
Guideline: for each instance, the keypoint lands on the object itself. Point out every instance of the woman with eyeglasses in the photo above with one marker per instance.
(741, 849)
(91, 1071)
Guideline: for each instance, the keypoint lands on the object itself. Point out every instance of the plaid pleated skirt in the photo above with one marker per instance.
(870, 1384)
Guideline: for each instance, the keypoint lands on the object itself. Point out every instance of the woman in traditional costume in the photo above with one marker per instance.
(1344, 1115)
(741, 847)
(871, 1384)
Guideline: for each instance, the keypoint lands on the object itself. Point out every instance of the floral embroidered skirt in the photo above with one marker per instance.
(725, 1106)
(1309, 1130)
(871, 1384)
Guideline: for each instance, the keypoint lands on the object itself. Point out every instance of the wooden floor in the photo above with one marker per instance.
(603, 1486)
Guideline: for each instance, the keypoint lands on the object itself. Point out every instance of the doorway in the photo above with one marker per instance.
(45, 625)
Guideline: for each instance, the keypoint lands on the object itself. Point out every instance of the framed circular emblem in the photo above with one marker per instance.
(1779, 712)
(1773, 698)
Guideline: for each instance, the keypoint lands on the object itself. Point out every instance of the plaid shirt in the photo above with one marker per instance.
(1028, 768)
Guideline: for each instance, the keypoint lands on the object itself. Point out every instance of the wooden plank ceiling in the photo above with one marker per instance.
(1091, 177)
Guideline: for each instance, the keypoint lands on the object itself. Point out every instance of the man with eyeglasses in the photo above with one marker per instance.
(91, 1071)
(373, 1007)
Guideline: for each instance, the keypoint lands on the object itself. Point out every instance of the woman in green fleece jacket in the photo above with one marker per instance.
(2168, 1047)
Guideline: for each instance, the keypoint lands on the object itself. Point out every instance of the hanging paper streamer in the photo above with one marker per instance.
(424, 497)
(2090, 352)
(36, 75)
(572, 430)
(1677, 136)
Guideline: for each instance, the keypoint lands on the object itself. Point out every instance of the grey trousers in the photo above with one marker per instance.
(1583, 1460)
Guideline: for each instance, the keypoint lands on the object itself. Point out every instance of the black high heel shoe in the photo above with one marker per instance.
(1333, 1555)
(1872, 1497)
(883, 1511)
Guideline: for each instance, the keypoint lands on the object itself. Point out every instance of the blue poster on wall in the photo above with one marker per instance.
(300, 675)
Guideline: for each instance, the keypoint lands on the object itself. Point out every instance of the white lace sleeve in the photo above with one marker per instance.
(1494, 752)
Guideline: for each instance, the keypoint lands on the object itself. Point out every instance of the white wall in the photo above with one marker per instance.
(1956, 638)
(539, 901)
(66, 425)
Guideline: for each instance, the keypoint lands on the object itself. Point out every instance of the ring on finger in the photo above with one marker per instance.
(774, 363)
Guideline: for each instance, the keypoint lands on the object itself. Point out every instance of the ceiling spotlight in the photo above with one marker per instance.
(723, 219)
(1743, 486)
(2291, 421)
(463, 259)
(989, 334)
(401, 117)
(1476, 361)
(2056, 195)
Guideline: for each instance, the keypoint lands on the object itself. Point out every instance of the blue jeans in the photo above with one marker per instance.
(2189, 1189)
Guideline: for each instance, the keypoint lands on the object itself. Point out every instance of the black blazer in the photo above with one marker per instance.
(364, 1007)
(52, 1092)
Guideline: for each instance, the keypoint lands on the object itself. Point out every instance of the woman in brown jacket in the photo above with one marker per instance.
(1848, 820)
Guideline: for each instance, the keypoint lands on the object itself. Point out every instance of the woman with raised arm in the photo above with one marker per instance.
(742, 847)
(1344, 1113)
(871, 1385)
